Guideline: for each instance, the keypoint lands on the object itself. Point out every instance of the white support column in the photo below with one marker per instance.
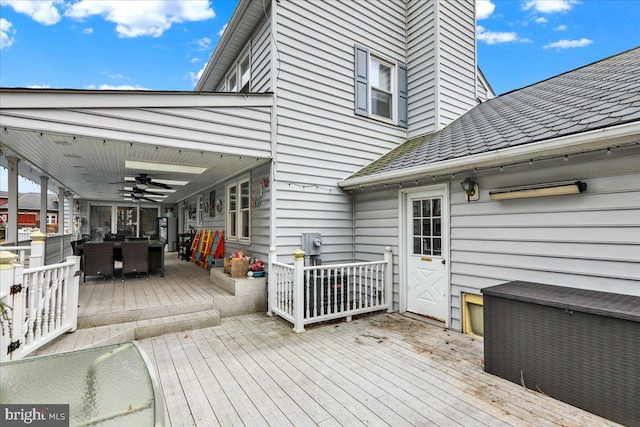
(71, 208)
(298, 291)
(388, 278)
(38, 245)
(12, 204)
(61, 220)
(44, 183)
(271, 282)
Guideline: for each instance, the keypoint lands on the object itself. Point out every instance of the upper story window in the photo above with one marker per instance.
(239, 211)
(382, 97)
(239, 77)
(380, 88)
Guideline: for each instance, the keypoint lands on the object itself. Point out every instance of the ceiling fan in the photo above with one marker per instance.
(143, 181)
(138, 193)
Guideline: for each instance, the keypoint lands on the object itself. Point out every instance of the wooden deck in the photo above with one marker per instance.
(183, 283)
(381, 369)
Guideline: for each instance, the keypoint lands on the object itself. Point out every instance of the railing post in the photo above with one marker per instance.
(38, 244)
(388, 278)
(7, 312)
(298, 291)
(73, 280)
(271, 281)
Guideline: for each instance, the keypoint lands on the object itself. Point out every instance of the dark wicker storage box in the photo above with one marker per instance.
(578, 346)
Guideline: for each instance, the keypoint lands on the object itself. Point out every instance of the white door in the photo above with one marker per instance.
(426, 248)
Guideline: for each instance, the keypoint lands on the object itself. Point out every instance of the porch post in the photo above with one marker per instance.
(44, 203)
(12, 204)
(7, 309)
(38, 245)
(388, 278)
(73, 279)
(61, 220)
(298, 291)
(271, 282)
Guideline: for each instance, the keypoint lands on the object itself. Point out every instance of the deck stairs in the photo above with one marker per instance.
(226, 297)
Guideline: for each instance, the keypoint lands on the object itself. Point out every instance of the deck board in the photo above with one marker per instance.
(381, 369)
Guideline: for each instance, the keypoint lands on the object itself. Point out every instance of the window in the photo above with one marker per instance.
(472, 315)
(239, 210)
(380, 88)
(239, 77)
(427, 227)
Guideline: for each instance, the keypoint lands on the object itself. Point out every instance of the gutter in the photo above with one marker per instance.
(569, 144)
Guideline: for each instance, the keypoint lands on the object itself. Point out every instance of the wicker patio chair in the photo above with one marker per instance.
(135, 258)
(98, 259)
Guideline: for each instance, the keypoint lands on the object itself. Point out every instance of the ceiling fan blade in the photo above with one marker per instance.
(148, 199)
(159, 185)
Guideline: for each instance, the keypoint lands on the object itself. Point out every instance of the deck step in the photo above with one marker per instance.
(102, 319)
(128, 331)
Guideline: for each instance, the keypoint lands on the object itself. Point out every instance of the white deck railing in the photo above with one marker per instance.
(38, 304)
(304, 295)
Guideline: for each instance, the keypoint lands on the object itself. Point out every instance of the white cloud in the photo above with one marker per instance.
(87, 31)
(194, 77)
(142, 18)
(550, 6)
(221, 32)
(39, 87)
(204, 43)
(196, 59)
(484, 9)
(568, 44)
(43, 12)
(541, 20)
(6, 33)
(560, 28)
(121, 87)
(492, 37)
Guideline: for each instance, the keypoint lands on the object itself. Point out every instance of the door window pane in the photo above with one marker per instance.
(427, 227)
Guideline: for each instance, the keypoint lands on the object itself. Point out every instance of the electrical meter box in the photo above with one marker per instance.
(311, 243)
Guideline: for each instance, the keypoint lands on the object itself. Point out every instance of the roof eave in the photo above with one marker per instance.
(591, 140)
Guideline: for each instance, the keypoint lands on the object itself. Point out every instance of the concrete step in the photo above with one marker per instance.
(246, 295)
(102, 319)
(128, 331)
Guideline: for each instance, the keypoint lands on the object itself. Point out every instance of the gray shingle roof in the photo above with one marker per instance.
(598, 95)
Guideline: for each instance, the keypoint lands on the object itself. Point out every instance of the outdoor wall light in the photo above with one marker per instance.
(539, 190)
(471, 189)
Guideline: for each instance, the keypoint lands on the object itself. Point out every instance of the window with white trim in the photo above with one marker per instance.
(380, 87)
(239, 210)
(239, 77)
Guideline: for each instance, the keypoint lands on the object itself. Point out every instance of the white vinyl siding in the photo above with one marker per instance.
(441, 62)
(588, 241)
(320, 140)
(260, 56)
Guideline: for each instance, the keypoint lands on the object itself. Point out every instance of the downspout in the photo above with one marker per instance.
(273, 229)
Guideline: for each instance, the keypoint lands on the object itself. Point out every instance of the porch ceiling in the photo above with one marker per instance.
(81, 140)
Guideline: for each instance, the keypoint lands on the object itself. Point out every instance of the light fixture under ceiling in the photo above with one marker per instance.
(471, 190)
(540, 190)
(163, 167)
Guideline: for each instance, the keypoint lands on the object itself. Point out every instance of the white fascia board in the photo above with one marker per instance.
(68, 99)
(585, 141)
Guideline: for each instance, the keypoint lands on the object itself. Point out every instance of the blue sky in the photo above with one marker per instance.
(163, 45)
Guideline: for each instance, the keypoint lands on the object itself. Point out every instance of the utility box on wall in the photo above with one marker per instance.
(311, 243)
